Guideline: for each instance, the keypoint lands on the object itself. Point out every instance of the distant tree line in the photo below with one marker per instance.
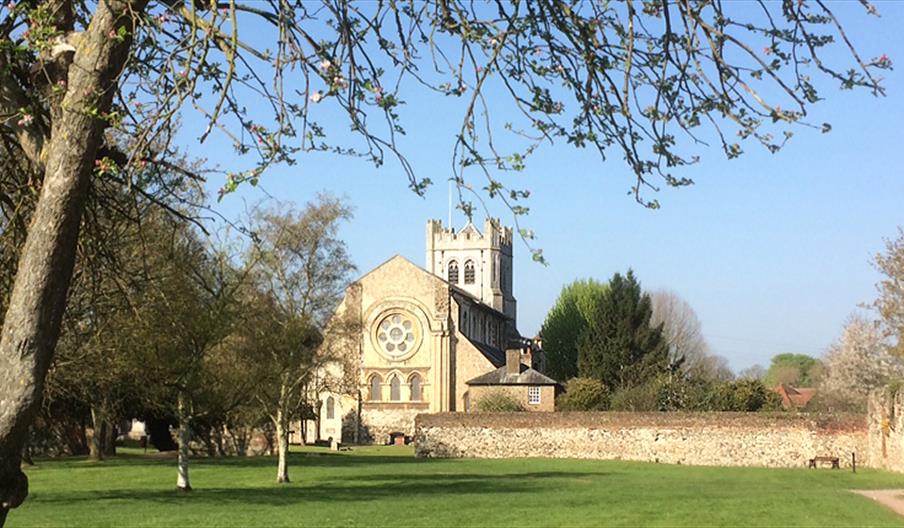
(205, 338)
(617, 347)
(620, 348)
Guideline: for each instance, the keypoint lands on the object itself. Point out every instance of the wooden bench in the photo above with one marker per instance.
(825, 459)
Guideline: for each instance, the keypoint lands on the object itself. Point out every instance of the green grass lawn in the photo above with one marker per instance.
(381, 486)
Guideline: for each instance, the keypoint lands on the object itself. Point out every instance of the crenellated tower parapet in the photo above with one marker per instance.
(477, 262)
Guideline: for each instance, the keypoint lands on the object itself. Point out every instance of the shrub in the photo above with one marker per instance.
(676, 393)
(638, 398)
(498, 401)
(745, 395)
(583, 394)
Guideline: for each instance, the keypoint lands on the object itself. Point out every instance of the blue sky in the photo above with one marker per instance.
(772, 250)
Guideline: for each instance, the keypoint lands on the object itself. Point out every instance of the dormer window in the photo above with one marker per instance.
(469, 272)
(453, 272)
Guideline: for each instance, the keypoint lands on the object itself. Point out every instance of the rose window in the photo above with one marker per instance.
(397, 334)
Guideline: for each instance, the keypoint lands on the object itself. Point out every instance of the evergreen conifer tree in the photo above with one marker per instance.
(620, 347)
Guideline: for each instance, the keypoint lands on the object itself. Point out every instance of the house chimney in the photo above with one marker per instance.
(513, 361)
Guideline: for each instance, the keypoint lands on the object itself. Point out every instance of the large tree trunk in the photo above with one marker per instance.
(282, 445)
(109, 438)
(182, 481)
(32, 323)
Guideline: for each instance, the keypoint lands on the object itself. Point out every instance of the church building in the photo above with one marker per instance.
(422, 334)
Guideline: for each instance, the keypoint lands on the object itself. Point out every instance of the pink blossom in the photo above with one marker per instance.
(61, 83)
(325, 64)
(767, 51)
(26, 120)
(11, 6)
(111, 34)
(316, 97)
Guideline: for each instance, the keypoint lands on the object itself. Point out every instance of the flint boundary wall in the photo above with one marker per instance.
(886, 428)
(707, 439)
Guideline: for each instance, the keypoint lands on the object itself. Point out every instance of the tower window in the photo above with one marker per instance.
(453, 272)
(469, 272)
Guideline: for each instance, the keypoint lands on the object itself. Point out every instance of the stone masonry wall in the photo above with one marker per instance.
(718, 439)
(377, 424)
(886, 428)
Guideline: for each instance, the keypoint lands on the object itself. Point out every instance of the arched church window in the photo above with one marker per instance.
(330, 408)
(469, 272)
(376, 383)
(453, 272)
(414, 382)
(395, 388)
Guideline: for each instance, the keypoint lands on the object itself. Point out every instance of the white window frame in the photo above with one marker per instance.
(533, 395)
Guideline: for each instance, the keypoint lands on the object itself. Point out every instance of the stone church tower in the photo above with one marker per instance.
(478, 263)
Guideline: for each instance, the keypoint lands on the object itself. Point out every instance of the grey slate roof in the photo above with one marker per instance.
(493, 354)
(526, 376)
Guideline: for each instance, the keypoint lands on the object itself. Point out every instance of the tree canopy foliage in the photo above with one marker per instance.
(620, 347)
(890, 302)
(858, 362)
(799, 370)
(566, 321)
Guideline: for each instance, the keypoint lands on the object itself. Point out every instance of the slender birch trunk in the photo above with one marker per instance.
(38, 298)
(282, 445)
(182, 481)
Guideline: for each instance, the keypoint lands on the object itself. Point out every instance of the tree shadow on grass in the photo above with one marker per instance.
(363, 488)
(311, 459)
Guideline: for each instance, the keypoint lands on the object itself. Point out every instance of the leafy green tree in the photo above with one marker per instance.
(620, 347)
(799, 370)
(300, 269)
(564, 324)
(583, 394)
(183, 322)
